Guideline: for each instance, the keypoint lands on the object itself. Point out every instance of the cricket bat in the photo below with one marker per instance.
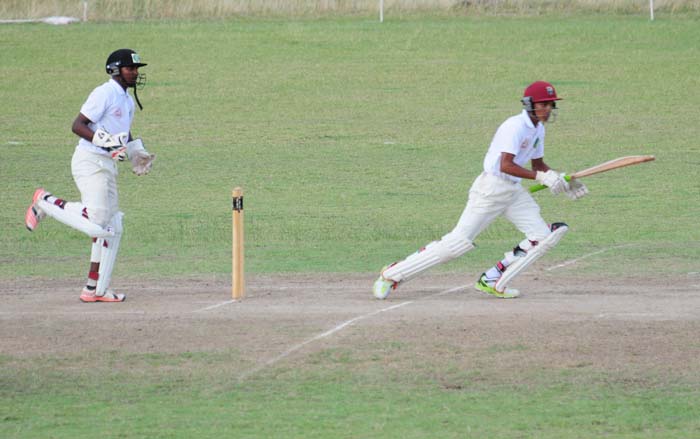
(603, 167)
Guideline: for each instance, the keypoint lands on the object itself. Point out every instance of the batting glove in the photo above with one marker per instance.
(553, 180)
(115, 144)
(141, 160)
(119, 154)
(576, 189)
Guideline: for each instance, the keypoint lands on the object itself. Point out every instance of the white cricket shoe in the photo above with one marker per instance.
(382, 287)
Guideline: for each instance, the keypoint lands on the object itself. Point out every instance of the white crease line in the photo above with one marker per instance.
(631, 314)
(330, 332)
(573, 261)
(216, 306)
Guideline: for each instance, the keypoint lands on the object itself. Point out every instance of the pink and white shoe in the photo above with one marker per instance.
(34, 214)
(89, 296)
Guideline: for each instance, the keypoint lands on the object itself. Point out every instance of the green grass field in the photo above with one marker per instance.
(356, 144)
(111, 10)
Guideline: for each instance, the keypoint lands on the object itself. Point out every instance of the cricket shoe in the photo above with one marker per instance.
(89, 296)
(488, 286)
(382, 287)
(34, 213)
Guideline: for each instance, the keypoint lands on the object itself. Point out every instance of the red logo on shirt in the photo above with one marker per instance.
(118, 112)
(523, 145)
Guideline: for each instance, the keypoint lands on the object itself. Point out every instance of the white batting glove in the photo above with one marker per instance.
(576, 189)
(553, 180)
(141, 160)
(108, 141)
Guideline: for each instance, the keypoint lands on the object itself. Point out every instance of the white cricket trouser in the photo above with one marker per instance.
(491, 196)
(96, 178)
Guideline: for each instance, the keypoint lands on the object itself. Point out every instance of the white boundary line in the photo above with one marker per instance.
(338, 328)
(573, 261)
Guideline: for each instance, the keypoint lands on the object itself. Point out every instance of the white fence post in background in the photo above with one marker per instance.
(651, 9)
(85, 4)
(381, 11)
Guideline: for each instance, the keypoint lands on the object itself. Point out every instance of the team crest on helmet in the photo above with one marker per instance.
(550, 90)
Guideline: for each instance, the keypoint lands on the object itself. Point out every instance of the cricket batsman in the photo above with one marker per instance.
(103, 126)
(497, 191)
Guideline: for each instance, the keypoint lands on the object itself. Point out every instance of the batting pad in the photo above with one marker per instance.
(73, 218)
(449, 247)
(521, 263)
(109, 254)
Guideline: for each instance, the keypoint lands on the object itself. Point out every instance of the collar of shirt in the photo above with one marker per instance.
(528, 121)
(113, 82)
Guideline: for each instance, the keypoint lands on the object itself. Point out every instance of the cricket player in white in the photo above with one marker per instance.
(497, 191)
(104, 128)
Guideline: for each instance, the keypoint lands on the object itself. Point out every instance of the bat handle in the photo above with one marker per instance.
(539, 187)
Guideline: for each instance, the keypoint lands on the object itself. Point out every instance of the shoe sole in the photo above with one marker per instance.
(95, 299)
(31, 218)
(110, 300)
(491, 292)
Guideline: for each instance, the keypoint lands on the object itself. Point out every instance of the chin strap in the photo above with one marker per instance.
(137, 100)
(140, 83)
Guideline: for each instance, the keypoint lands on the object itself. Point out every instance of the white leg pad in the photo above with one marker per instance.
(511, 257)
(536, 252)
(109, 254)
(74, 220)
(449, 247)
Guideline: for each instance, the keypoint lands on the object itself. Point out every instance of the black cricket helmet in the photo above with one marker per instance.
(122, 58)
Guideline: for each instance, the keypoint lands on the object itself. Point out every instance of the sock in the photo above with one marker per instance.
(55, 200)
(521, 249)
(92, 281)
(495, 272)
(94, 273)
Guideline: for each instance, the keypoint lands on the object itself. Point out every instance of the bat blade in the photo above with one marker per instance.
(620, 162)
(614, 164)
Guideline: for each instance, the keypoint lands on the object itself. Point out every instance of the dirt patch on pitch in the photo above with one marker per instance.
(436, 327)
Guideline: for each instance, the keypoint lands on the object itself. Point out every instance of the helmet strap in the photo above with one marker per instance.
(136, 96)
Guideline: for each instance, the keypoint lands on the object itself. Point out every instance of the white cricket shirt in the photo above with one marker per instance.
(109, 107)
(517, 136)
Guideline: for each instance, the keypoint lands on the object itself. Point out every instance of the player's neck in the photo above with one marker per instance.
(119, 80)
(533, 118)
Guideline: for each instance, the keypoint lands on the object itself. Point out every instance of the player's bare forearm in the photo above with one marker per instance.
(508, 166)
(80, 127)
(539, 165)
